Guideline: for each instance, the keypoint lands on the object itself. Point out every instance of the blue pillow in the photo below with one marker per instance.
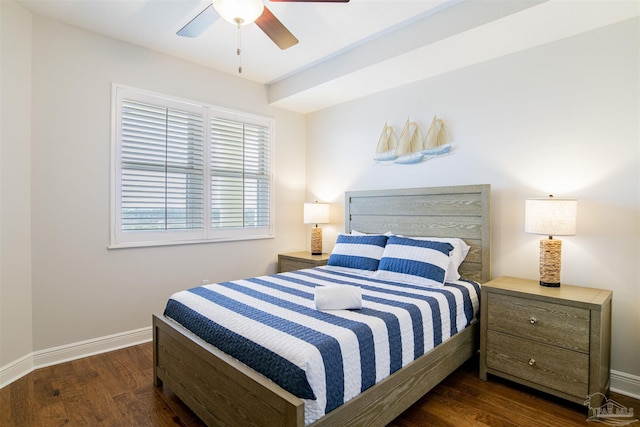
(421, 262)
(359, 252)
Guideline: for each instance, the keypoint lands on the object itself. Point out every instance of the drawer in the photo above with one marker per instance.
(549, 323)
(291, 265)
(557, 368)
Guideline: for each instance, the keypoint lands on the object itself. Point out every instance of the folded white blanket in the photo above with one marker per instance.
(337, 297)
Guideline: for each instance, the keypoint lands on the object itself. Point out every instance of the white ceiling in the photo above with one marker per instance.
(346, 50)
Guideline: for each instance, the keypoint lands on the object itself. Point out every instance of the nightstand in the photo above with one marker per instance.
(557, 340)
(299, 260)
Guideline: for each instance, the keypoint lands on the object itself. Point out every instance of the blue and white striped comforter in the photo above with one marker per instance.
(324, 357)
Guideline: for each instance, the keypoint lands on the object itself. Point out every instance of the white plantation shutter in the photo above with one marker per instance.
(177, 180)
(162, 168)
(240, 174)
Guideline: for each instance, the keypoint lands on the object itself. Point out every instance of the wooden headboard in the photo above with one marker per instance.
(457, 211)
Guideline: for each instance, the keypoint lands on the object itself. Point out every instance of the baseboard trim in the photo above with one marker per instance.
(626, 384)
(65, 353)
(621, 382)
(16, 370)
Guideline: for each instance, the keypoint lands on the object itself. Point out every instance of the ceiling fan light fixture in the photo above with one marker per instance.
(239, 12)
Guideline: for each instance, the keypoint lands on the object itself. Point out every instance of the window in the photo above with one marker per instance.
(183, 172)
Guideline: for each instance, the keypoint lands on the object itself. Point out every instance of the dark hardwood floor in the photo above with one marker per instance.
(116, 389)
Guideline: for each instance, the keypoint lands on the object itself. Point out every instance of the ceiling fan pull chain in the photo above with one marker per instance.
(239, 50)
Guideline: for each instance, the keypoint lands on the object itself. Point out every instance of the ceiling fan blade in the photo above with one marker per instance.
(276, 31)
(201, 22)
(311, 1)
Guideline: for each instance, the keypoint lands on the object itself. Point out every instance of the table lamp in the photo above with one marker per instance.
(551, 217)
(316, 213)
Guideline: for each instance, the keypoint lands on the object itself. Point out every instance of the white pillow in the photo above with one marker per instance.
(359, 233)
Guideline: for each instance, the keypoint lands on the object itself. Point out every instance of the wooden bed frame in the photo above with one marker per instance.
(223, 391)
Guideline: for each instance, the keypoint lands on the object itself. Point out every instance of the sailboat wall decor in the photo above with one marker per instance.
(410, 148)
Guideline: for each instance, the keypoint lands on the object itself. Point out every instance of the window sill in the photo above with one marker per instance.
(129, 245)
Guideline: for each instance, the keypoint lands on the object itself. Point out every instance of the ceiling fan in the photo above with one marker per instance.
(245, 12)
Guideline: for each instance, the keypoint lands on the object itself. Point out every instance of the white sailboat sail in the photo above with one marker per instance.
(435, 143)
(386, 148)
(410, 145)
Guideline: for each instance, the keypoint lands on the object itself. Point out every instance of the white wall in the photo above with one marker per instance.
(60, 284)
(82, 290)
(15, 183)
(560, 119)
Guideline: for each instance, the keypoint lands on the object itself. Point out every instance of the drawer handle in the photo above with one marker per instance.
(533, 320)
(532, 362)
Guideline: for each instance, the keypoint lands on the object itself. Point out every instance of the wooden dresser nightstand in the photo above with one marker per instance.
(556, 340)
(299, 260)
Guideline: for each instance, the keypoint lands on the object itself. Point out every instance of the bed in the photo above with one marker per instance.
(223, 391)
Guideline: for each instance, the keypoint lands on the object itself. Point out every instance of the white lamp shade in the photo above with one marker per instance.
(316, 213)
(551, 217)
(243, 12)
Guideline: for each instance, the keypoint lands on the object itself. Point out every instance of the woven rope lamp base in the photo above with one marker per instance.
(550, 255)
(316, 241)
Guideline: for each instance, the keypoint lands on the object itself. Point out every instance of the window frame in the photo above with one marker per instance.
(119, 238)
